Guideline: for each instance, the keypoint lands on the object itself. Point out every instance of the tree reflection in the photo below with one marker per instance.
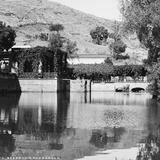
(150, 150)
(99, 138)
(8, 123)
(63, 99)
(7, 145)
(39, 120)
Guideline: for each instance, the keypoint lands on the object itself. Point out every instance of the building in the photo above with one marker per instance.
(88, 59)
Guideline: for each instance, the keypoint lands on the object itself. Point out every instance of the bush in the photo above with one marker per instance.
(108, 61)
(105, 71)
(99, 34)
(123, 57)
(93, 71)
(43, 37)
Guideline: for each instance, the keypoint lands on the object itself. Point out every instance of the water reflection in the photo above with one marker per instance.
(75, 125)
(8, 123)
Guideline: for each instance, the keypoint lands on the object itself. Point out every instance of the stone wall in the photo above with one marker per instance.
(54, 85)
(112, 86)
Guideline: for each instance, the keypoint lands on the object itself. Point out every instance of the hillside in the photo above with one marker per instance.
(30, 18)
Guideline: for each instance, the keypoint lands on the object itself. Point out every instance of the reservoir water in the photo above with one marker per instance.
(69, 126)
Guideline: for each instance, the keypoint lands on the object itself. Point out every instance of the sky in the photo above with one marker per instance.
(108, 9)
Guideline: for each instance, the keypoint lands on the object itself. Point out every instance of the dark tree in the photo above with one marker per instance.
(143, 18)
(62, 48)
(56, 27)
(7, 37)
(108, 61)
(117, 48)
(55, 43)
(99, 34)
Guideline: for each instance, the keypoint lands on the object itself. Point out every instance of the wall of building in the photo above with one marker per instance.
(38, 85)
(112, 86)
(54, 85)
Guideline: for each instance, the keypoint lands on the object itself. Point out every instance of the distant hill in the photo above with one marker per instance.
(30, 18)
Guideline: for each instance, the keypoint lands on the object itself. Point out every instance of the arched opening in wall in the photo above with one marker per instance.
(137, 89)
(28, 66)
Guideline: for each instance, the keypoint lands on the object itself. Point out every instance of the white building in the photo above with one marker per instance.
(88, 59)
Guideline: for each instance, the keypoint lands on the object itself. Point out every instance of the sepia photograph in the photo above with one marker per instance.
(79, 79)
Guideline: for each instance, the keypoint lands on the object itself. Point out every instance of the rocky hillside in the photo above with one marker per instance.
(30, 18)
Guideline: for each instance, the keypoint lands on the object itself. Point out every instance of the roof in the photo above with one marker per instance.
(21, 46)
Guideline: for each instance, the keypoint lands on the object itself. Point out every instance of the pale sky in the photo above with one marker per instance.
(108, 9)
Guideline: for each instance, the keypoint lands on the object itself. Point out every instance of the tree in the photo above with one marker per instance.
(62, 47)
(143, 18)
(116, 34)
(55, 43)
(108, 61)
(99, 34)
(117, 47)
(56, 27)
(70, 49)
(7, 37)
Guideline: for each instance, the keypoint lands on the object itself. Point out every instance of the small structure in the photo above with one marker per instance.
(88, 59)
(38, 62)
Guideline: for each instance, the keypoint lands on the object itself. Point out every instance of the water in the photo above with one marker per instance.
(68, 126)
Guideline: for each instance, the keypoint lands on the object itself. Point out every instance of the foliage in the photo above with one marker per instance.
(29, 75)
(7, 37)
(55, 41)
(108, 61)
(92, 71)
(105, 71)
(58, 45)
(55, 44)
(70, 48)
(130, 70)
(143, 17)
(33, 56)
(43, 36)
(56, 27)
(120, 56)
(99, 34)
(154, 76)
(118, 47)
(29, 60)
(116, 34)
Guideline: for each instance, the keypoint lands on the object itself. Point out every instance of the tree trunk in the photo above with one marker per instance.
(65, 61)
(55, 64)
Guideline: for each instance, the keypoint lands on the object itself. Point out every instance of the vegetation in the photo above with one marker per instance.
(56, 27)
(142, 17)
(53, 59)
(108, 61)
(99, 35)
(29, 59)
(7, 37)
(92, 71)
(57, 44)
(118, 47)
(104, 71)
